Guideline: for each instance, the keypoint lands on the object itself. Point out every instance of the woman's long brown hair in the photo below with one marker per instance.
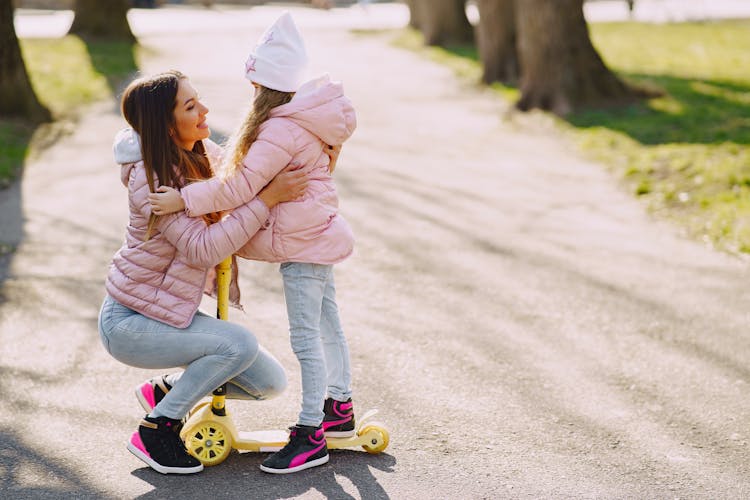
(148, 105)
(265, 100)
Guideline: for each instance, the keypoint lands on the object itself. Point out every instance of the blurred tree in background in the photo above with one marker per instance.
(17, 97)
(414, 6)
(102, 19)
(561, 71)
(444, 22)
(496, 40)
(541, 45)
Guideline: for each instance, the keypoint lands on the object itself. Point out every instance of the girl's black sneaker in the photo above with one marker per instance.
(339, 418)
(157, 442)
(306, 448)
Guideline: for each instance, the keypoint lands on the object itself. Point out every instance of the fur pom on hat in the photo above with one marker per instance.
(279, 60)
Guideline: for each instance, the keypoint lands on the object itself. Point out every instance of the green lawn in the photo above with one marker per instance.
(66, 74)
(687, 154)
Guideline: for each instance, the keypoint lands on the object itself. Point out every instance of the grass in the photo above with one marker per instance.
(687, 153)
(14, 139)
(66, 73)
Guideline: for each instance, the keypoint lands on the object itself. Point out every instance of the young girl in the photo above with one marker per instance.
(149, 316)
(293, 123)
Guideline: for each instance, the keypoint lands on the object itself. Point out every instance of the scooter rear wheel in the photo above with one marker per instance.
(209, 442)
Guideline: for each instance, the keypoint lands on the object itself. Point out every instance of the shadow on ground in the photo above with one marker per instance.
(241, 473)
(693, 110)
(115, 60)
(26, 473)
(697, 111)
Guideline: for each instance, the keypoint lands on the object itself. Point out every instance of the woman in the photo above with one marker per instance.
(156, 280)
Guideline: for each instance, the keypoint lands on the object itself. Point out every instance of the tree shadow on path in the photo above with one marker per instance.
(698, 111)
(240, 475)
(115, 60)
(26, 473)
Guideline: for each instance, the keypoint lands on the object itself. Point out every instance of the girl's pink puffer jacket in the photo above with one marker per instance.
(164, 278)
(305, 230)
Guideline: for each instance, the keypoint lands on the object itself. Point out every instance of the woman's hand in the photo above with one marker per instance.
(166, 200)
(289, 184)
(333, 153)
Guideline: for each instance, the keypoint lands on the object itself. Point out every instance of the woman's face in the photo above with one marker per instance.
(189, 116)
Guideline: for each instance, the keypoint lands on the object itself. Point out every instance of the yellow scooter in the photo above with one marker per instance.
(210, 434)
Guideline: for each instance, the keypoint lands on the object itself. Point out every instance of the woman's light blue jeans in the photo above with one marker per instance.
(316, 336)
(212, 352)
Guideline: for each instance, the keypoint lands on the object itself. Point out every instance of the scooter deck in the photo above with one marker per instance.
(215, 436)
(274, 440)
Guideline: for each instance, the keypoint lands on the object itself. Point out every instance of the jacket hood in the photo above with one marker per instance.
(127, 146)
(321, 107)
(127, 149)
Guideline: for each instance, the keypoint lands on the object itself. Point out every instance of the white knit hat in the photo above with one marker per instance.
(279, 60)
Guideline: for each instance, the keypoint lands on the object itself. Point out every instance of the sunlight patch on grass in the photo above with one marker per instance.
(667, 105)
(62, 74)
(722, 93)
(690, 50)
(67, 72)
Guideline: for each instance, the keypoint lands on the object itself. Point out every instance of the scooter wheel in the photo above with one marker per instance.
(378, 438)
(209, 442)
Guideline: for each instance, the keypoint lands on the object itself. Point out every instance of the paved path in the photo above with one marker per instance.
(525, 329)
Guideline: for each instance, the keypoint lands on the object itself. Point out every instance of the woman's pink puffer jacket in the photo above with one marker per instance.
(164, 278)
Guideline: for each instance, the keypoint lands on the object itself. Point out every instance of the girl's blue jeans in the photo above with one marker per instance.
(316, 336)
(211, 351)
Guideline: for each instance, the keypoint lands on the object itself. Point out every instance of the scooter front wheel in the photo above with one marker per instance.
(209, 442)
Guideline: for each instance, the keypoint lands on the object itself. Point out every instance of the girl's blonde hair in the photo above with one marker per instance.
(265, 100)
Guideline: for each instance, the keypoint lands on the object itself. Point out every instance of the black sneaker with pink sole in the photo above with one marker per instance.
(306, 448)
(157, 442)
(338, 420)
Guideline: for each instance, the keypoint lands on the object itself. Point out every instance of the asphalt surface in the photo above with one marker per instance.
(524, 327)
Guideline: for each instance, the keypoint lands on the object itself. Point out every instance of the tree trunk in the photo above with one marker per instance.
(414, 13)
(496, 40)
(17, 97)
(102, 19)
(560, 69)
(444, 22)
